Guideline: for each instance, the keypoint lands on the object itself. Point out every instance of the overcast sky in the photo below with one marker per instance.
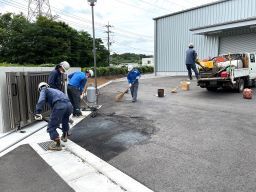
(131, 20)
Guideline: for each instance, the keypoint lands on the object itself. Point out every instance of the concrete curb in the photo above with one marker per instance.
(123, 180)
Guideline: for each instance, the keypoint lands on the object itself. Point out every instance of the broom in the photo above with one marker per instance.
(120, 95)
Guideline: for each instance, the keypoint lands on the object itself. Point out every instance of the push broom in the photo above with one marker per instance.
(120, 95)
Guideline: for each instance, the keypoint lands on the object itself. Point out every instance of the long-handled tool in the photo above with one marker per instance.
(120, 95)
(93, 109)
(44, 119)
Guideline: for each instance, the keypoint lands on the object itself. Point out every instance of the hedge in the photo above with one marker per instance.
(109, 71)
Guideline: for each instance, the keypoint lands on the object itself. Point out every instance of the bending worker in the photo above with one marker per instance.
(77, 88)
(61, 110)
(133, 77)
(54, 79)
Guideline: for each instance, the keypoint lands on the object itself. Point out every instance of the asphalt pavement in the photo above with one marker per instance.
(187, 141)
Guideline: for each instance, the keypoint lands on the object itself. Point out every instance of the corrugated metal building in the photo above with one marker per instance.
(215, 28)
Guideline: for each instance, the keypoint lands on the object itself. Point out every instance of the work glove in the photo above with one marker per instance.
(130, 85)
(138, 77)
(38, 117)
(82, 95)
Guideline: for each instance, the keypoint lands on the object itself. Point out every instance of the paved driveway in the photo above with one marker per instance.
(189, 141)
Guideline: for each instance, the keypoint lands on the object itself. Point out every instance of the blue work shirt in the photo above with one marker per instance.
(50, 96)
(78, 80)
(54, 79)
(191, 56)
(133, 76)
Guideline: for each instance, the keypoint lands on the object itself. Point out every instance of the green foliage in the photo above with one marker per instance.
(47, 65)
(146, 69)
(112, 71)
(46, 41)
(127, 58)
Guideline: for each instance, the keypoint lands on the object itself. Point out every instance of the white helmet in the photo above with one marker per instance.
(65, 65)
(41, 85)
(130, 67)
(190, 45)
(90, 72)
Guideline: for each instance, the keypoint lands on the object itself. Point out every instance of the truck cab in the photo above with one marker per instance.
(228, 71)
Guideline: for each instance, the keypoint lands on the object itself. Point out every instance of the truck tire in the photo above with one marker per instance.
(240, 85)
(211, 88)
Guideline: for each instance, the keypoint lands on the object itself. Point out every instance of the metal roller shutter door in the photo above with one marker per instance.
(238, 44)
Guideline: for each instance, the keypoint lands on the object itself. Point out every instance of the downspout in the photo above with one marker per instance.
(155, 46)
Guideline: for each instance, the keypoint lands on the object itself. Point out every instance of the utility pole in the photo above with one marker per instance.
(109, 42)
(38, 8)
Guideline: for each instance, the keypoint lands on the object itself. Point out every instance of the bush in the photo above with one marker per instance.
(108, 71)
(47, 65)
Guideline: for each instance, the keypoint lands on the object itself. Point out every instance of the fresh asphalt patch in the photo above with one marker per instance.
(108, 135)
(23, 170)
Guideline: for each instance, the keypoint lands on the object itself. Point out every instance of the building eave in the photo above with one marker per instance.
(190, 9)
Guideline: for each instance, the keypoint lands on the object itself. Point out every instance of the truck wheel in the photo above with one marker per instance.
(240, 86)
(211, 88)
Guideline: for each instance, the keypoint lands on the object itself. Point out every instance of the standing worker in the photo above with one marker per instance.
(61, 110)
(77, 88)
(191, 57)
(54, 79)
(133, 77)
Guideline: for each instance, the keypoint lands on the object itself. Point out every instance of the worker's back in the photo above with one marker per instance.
(191, 56)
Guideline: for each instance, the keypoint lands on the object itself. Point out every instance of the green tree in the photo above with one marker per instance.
(46, 41)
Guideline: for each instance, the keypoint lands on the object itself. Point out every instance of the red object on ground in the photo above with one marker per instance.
(247, 94)
(224, 74)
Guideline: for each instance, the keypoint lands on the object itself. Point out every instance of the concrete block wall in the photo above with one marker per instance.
(4, 107)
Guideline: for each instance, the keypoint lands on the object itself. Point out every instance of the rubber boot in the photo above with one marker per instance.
(55, 146)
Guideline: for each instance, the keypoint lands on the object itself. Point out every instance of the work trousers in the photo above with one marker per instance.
(134, 91)
(74, 97)
(60, 114)
(193, 67)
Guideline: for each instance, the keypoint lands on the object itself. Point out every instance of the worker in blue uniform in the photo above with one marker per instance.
(61, 109)
(133, 77)
(54, 79)
(77, 88)
(191, 57)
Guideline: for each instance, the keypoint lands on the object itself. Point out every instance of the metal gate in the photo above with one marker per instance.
(23, 96)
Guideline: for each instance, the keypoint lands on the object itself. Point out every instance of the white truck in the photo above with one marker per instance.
(230, 71)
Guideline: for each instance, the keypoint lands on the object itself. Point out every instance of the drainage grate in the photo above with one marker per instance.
(45, 145)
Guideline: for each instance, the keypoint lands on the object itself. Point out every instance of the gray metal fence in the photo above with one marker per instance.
(23, 96)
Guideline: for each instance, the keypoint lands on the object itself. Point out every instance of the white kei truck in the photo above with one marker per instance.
(230, 71)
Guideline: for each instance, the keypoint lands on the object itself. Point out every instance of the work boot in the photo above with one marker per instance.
(64, 137)
(71, 121)
(55, 146)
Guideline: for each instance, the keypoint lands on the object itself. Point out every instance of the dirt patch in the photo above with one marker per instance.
(108, 135)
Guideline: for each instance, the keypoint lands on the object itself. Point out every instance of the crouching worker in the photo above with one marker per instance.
(61, 109)
(77, 88)
(133, 80)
